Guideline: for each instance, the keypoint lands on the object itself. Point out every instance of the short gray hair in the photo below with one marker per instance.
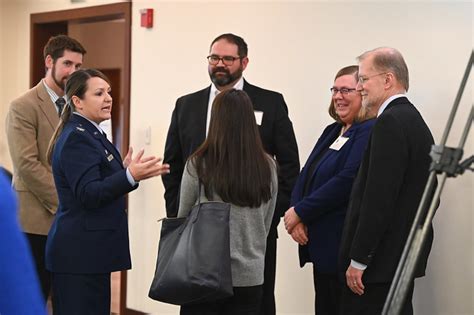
(389, 60)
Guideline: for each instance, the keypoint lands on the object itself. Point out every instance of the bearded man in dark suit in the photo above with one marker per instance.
(190, 120)
(387, 189)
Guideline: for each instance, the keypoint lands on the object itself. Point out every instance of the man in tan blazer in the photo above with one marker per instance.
(31, 121)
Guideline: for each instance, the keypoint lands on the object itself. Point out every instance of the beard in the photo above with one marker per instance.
(225, 77)
(366, 103)
(371, 105)
(60, 82)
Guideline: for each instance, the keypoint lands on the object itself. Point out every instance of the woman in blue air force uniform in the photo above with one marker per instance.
(321, 194)
(89, 237)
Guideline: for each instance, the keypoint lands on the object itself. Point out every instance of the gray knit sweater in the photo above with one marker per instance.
(248, 228)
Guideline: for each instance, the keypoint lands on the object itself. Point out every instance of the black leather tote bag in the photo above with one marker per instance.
(193, 264)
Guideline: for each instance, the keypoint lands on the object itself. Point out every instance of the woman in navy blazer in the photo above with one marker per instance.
(321, 194)
(89, 236)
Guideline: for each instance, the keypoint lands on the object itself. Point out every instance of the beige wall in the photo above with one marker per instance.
(294, 48)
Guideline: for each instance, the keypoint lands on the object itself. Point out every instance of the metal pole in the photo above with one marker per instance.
(457, 100)
(404, 273)
(406, 252)
(463, 139)
(408, 267)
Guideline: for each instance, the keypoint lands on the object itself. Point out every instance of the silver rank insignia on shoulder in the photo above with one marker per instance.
(80, 129)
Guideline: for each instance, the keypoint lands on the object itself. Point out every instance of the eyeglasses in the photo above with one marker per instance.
(344, 91)
(226, 60)
(362, 80)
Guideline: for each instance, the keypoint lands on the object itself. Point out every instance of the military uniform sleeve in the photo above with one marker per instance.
(83, 166)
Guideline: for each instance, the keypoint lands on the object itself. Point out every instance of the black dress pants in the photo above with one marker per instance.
(268, 302)
(246, 301)
(372, 301)
(328, 293)
(81, 294)
(37, 245)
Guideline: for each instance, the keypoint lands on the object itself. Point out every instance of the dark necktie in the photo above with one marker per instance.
(60, 102)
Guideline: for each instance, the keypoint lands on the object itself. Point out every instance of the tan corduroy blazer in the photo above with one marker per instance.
(30, 124)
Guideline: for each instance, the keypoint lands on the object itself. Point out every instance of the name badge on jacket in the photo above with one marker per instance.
(337, 145)
(258, 117)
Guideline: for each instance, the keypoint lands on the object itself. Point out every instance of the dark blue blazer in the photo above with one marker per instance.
(90, 231)
(323, 209)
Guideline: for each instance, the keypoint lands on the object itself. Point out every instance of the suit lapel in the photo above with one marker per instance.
(251, 93)
(201, 115)
(109, 145)
(46, 105)
(325, 143)
(91, 129)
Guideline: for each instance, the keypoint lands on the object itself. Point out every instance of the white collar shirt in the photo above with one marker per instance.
(54, 97)
(387, 101)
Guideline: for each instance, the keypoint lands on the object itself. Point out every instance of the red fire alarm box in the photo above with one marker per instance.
(146, 18)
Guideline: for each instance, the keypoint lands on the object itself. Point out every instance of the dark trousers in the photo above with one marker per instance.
(328, 293)
(81, 294)
(372, 301)
(268, 302)
(246, 301)
(37, 246)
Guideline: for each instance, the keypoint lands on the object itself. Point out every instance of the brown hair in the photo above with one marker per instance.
(76, 85)
(363, 112)
(56, 46)
(232, 162)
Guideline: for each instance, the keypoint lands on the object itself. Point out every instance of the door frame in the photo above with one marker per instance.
(47, 24)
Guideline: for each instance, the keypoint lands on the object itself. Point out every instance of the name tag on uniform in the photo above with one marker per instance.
(110, 157)
(258, 117)
(337, 145)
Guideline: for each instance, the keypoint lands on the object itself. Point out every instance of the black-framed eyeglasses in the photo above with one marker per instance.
(362, 80)
(344, 91)
(226, 60)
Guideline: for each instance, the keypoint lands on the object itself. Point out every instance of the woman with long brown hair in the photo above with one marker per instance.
(233, 167)
(89, 236)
